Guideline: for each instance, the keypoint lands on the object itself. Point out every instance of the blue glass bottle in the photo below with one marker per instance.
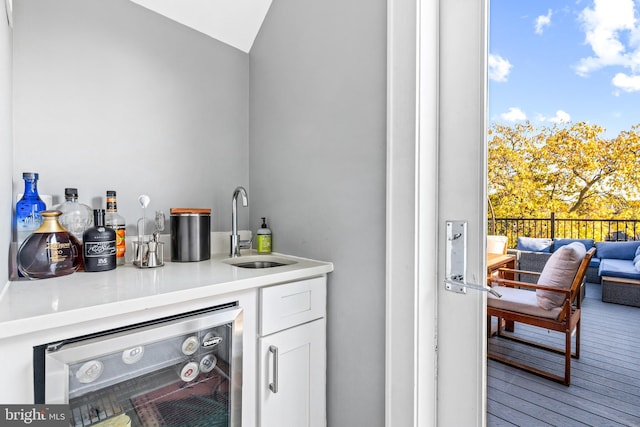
(29, 208)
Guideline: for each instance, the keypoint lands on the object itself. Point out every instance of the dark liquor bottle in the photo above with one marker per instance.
(50, 251)
(99, 245)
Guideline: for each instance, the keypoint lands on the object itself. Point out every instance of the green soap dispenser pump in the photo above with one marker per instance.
(263, 238)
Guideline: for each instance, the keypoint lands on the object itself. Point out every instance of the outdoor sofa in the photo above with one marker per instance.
(616, 265)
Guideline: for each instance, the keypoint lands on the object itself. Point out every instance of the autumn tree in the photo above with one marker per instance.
(571, 170)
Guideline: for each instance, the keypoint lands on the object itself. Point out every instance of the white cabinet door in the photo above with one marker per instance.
(292, 377)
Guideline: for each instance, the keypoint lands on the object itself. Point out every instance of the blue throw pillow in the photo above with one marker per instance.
(534, 244)
(558, 243)
(617, 250)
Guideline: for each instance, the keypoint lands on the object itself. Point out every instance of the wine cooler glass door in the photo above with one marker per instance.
(182, 371)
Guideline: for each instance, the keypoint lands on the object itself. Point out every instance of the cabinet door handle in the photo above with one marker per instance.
(274, 385)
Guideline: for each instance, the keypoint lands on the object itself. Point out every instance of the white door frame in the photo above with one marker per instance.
(430, 44)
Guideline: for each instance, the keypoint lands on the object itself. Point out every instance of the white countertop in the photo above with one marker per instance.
(28, 306)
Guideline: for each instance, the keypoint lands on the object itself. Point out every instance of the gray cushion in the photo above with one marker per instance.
(520, 301)
(559, 272)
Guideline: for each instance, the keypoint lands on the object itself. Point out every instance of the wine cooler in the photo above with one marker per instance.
(178, 371)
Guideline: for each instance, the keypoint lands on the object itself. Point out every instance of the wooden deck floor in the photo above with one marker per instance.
(605, 381)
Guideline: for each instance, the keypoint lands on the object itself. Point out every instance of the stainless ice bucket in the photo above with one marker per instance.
(190, 234)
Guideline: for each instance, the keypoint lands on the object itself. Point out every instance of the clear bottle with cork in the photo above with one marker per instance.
(76, 217)
(29, 208)
(99, 245)
(116, 222)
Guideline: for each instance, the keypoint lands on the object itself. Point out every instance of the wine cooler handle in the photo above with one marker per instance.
(51, 348)
(274, 385)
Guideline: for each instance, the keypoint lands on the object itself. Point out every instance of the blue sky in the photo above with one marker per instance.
(561, 61)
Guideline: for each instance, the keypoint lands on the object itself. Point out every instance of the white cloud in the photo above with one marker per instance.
(499, 68)
(604, 26)
(543, 21)
(513, 115)
(627, 83)
(560, 117)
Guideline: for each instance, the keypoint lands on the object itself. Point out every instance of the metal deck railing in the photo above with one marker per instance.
(565, 228)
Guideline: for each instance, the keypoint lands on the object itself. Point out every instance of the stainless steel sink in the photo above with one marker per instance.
(258, 261)
(259, 264)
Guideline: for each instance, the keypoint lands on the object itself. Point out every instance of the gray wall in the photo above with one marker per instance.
(111, 96)
(317, 157)
(6, 149)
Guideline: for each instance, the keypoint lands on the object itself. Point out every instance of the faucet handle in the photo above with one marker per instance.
(236, 244)
(245, 244)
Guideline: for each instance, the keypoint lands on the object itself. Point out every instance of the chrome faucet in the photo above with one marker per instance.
(236, 243)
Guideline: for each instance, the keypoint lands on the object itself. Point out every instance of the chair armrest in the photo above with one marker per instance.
(507, 282)
(505, 270)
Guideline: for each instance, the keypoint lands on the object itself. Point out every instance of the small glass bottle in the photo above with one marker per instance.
(51, 251)
(29, 208)
(99, 245)
(116, 222)
(76, 217)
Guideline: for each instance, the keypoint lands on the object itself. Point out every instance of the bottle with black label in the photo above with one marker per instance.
(99, 245)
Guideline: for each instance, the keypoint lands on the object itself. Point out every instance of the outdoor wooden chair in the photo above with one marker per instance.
(497, 244)
(553, 303)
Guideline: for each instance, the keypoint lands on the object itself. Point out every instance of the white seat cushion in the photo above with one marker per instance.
(497, 244)
(521, 301)
(559, 272)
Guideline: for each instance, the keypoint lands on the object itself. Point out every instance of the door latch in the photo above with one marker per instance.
(456, 260)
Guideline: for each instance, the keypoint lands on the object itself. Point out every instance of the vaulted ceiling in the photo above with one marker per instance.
(235, 22)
